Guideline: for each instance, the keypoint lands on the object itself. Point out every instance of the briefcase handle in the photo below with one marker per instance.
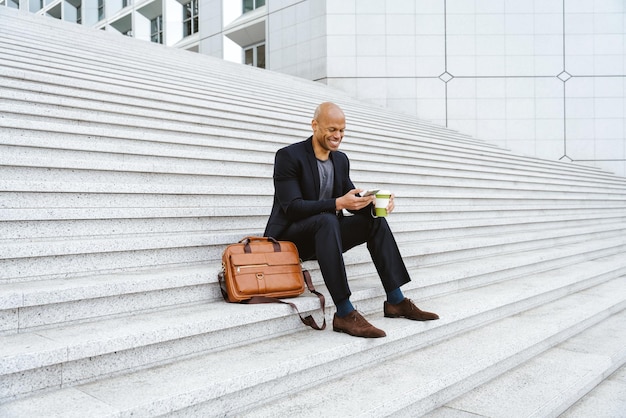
(246, 243)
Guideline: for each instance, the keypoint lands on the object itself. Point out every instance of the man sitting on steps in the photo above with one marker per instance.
(312, 187)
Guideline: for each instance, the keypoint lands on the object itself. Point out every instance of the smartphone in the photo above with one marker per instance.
(370, 192)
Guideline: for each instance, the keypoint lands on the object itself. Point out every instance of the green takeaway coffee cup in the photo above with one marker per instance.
(382, 200)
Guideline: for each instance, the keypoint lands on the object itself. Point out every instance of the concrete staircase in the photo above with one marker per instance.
(127, 167)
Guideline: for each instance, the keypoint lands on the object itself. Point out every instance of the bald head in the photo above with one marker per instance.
(328, 109)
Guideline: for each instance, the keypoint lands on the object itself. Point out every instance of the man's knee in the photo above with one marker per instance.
(379, 234)
(380, 224)
(327, 221)
(327, 231)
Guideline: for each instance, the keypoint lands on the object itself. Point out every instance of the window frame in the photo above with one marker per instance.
(100, 10)
(156, 36)
(255, 55)
(255, 4)
(190, 18)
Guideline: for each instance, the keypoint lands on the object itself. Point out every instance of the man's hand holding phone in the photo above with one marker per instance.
(370, 192)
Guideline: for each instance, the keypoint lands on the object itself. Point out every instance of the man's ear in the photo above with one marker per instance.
(314, 124)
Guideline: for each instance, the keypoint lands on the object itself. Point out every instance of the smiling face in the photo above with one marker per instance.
(329, 124)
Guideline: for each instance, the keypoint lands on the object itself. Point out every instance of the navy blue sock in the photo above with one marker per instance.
(395, 296)
(344, 308)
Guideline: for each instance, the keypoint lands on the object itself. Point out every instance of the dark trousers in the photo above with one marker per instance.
(326, 237)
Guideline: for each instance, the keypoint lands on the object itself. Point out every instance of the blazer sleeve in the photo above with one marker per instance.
(342, 164)
(295, 186)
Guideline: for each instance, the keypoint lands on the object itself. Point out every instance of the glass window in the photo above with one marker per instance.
(190, 18)
(71, 12)
(249, 5)
(260, 56)
(35, 5)
(156, 30)
(255, 56)
(100, 10)
(249, 56)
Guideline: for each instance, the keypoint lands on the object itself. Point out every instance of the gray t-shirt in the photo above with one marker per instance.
(327, 178)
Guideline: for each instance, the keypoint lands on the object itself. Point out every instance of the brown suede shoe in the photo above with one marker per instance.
(354, 324)
(407, 309)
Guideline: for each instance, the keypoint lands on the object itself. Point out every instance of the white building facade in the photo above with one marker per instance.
(168, 22)
(540, 77)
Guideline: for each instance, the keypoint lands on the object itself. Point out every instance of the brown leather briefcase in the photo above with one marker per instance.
(261, 270)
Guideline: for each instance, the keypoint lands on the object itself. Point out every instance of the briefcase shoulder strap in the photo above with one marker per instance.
(309, 320)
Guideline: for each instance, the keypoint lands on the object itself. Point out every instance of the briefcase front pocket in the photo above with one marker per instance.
(267, 274)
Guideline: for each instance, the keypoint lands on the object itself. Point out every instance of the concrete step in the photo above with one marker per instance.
(413, 133)
(199, 91)
(429, 375)
(96, 255)
(96, 97)
(159, 122)
(131, 51)
(44, 224)
(53, 134)
(550, 383)
(41, 179)
(84, 202)
(182, 64)
(150, 224)
(153, 74)
(130, 44)
(46, 237)
(27, 162)
(392, 168)
(19, 206)
(32, 305)
(46, 258)
(422, 216)
(396, 156)
(431, 281)
(607, 399)
(176, 152)
(491, 244)
(27, 305)
(65, 128)
(300, 359)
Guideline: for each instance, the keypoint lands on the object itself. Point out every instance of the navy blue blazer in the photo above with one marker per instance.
(297, 186)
